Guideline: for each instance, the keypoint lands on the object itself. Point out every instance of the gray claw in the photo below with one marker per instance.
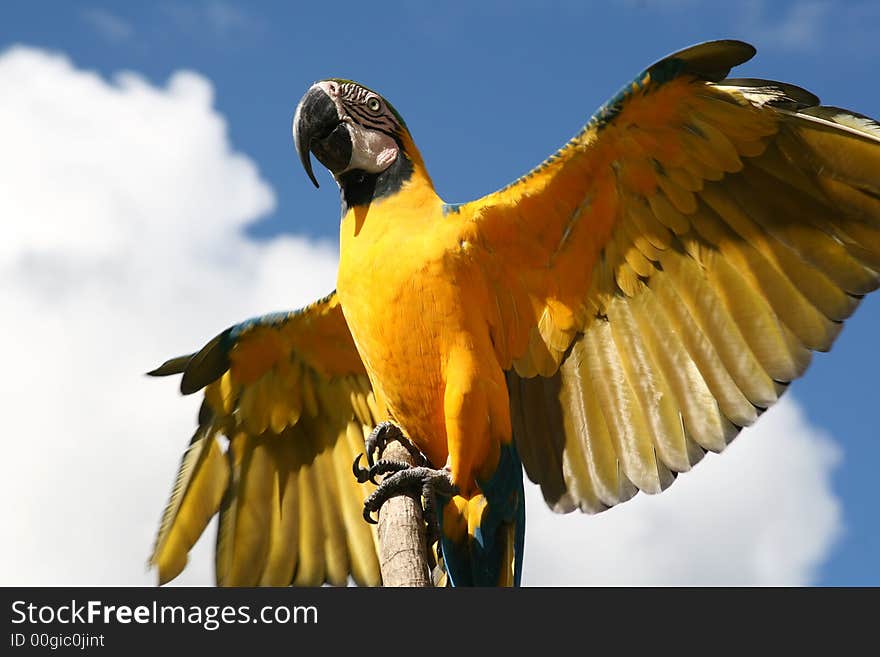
(380, 467)
(360, 473)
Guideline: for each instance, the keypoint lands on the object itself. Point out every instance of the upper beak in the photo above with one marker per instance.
(318, 129)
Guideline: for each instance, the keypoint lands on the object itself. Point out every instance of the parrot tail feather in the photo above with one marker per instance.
(482, 536)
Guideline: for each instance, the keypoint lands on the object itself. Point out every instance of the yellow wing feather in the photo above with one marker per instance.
(671, 270)
(290, 394)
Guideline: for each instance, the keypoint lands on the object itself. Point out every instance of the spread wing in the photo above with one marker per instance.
(672, 268)
(291, 395)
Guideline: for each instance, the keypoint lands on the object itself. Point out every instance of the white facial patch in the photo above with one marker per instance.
(371, 151)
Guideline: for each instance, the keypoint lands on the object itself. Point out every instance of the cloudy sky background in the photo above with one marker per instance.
(150, 196)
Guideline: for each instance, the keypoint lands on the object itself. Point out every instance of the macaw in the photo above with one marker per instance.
(603, 321)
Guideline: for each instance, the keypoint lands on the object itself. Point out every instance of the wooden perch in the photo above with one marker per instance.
(403, 559)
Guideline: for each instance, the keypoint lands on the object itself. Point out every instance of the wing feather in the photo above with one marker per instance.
(291, 395)
(281, 559)
(201, 482)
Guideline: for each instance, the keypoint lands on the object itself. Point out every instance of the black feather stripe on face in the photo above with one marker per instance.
(355, 99)
(367, 120)
(342, 82)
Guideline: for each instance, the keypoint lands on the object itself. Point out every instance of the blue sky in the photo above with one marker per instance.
(488, 90)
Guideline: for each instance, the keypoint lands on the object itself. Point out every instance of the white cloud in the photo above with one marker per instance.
(761, 513)
(123, 206)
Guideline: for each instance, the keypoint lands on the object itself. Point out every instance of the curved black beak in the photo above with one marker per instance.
(318, 129)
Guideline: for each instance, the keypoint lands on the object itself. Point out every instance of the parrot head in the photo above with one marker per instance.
(357, 135)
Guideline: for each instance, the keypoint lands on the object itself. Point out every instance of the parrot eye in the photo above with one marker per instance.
(373, 103)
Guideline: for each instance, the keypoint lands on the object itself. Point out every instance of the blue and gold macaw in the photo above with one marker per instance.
(628, 305)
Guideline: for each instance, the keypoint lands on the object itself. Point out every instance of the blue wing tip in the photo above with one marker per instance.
(711, 61)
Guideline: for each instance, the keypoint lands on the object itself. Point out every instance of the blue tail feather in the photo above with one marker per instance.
(479, 560)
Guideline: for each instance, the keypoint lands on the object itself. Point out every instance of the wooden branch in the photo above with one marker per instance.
(403, 557)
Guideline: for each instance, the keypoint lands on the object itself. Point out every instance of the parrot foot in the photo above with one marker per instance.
(384, 433)
(412, 479)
